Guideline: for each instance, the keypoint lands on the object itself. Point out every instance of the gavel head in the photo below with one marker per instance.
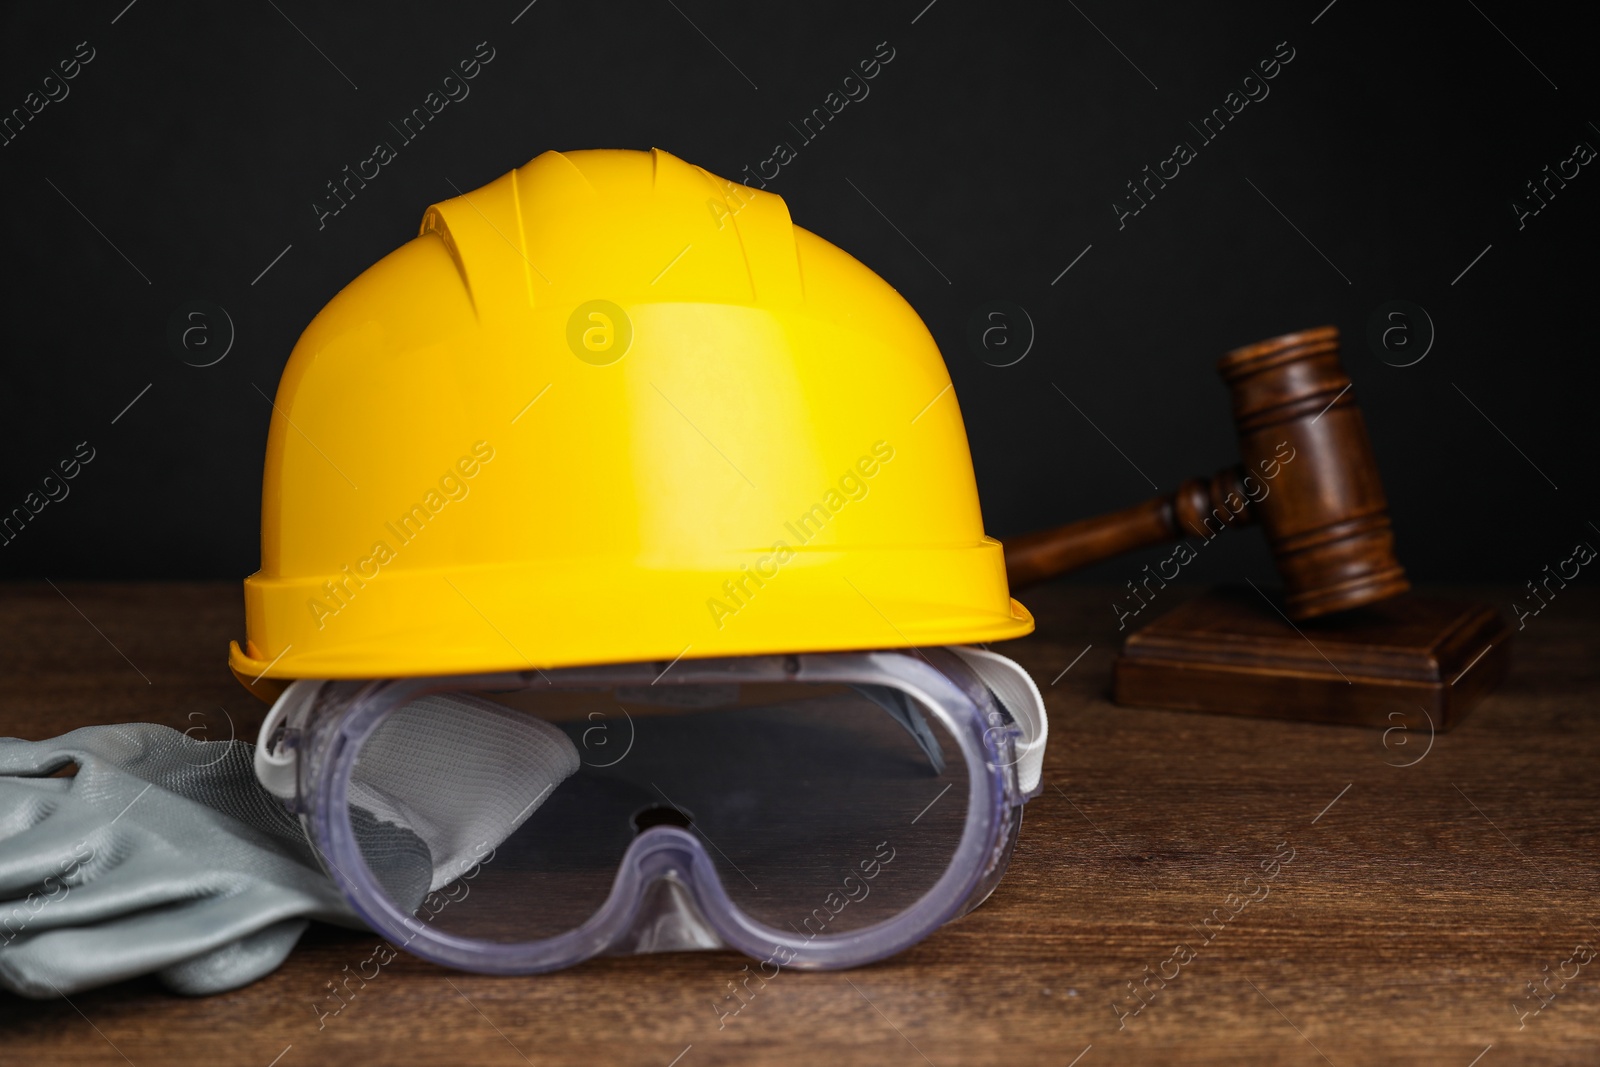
(1324, 512)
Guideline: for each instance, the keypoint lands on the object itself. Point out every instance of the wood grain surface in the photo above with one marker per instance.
(1424, 888)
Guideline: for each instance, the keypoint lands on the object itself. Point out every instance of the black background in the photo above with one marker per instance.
(200, 135)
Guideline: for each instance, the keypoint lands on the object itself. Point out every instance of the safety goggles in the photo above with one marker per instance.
(817, 811)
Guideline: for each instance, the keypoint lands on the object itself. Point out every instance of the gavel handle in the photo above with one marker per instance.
(1172, 517)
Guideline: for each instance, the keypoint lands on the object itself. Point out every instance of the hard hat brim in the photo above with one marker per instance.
(425, 623)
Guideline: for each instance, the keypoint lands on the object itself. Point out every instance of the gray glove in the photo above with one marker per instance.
(164, 854)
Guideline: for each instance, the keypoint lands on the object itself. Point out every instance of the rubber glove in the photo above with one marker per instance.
(161, 854)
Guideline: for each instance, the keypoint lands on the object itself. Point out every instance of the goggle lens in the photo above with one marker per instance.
(824, 808)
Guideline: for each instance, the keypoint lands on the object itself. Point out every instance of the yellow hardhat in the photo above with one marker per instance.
(611, 408)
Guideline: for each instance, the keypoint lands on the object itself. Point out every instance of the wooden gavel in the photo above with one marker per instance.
(1307, 476)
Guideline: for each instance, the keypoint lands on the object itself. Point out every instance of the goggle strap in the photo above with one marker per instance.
(1015, 690)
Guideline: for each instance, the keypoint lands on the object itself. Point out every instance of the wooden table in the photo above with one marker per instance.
(1418, 904)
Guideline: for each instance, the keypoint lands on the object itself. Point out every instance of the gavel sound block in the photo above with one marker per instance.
(1348, 642)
